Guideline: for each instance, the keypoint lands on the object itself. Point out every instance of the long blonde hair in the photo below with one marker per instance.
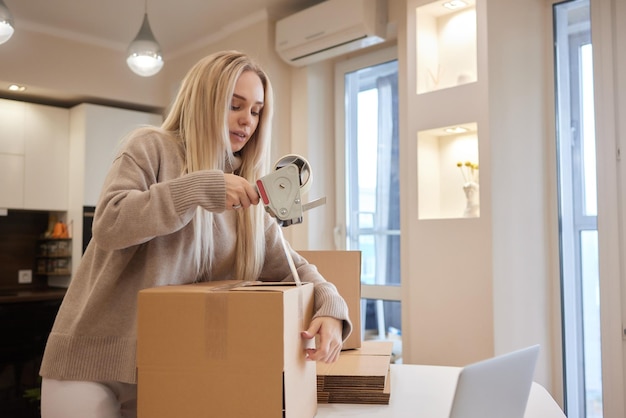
(199, 119)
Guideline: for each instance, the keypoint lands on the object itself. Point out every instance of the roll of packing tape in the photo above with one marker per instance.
(306, 173)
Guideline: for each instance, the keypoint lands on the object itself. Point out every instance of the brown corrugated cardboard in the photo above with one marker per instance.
(372, 348)
(343, 269)
(209, 350)
(360, 376)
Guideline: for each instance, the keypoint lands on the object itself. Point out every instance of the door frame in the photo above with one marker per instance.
(609, 42)
(379, 292)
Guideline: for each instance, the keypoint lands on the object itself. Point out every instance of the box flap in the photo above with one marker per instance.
(371, 348)
(270, 286)
(343, 269)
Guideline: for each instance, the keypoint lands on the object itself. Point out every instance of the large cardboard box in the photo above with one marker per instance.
(218, 350)
(343, 269)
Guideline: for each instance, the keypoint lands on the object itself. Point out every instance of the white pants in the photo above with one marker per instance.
(77, 399)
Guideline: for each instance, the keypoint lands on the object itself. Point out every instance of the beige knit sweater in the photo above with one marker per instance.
(142, 238)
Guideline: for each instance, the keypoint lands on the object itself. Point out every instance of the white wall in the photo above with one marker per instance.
(313, 136)
(525, 273)
(447, 279)
(518, 209)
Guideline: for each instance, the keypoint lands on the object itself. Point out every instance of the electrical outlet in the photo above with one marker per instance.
(25, 276)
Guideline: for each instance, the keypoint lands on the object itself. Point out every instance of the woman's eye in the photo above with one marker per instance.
(233, 107)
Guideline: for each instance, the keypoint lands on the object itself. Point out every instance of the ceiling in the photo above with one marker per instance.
(176, 24)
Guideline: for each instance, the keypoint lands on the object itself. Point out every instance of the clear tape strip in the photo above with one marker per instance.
(292, 265)
(296, 278)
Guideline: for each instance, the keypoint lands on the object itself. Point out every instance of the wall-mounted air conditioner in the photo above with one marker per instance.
(329, 29)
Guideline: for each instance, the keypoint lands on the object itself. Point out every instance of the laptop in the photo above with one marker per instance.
(497, 387)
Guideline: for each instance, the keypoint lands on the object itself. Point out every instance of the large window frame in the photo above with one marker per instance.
(590, 283)
(381, 294)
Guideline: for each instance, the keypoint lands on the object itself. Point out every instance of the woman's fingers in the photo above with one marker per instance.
(239, 193)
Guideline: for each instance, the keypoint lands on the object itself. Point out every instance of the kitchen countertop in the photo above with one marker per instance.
(31, 295)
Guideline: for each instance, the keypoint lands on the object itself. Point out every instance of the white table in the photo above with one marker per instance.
(426, 392)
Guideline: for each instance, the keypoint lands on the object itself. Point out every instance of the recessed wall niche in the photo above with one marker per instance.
(448, 172)
(446, 44)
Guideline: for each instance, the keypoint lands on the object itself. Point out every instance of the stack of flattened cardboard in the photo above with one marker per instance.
(360, 376)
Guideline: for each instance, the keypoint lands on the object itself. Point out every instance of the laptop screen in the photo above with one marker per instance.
(497, 387)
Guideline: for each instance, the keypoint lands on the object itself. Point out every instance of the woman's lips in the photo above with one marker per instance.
(238, 136)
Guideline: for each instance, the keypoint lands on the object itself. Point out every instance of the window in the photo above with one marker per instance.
(578, 210)
(369, 201)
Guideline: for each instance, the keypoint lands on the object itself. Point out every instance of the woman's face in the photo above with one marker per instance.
(245, 108)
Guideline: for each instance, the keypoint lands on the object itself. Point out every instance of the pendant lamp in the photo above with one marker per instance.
(6, 23)
(144, 52)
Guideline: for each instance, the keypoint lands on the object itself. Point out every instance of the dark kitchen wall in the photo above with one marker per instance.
(19, 232)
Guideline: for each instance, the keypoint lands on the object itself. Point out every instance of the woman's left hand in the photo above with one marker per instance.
(330, 342)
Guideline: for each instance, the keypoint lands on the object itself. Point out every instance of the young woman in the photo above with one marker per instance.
(177, 207)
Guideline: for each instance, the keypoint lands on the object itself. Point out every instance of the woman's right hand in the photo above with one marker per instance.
(239, 193)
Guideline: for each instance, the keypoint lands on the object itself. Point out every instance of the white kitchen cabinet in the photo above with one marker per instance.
(34, 145)
(12, 181)
(95, 134)
(46, 158)
(12, 127)
(11, 153)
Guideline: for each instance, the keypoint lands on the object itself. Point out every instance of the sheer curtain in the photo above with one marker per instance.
(387, 215)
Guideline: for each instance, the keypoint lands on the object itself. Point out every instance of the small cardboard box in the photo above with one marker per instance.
(343, 269)
(221, 350)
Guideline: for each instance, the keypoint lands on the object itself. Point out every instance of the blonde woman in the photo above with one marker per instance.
(177, 207)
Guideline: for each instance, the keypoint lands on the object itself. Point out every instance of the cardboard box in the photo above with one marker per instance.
(343, 269)
(218, 350)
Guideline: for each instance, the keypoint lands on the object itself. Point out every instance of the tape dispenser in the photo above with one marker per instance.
(282, 189)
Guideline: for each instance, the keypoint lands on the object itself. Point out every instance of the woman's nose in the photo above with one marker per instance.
(245, 120)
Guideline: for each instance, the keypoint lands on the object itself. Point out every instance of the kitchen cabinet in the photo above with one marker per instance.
(12, 121)
(12, 153)
(95, 135)
(46, 157)
(96, 132)
(34, 144)
(12, 183)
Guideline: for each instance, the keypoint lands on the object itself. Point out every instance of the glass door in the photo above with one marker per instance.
(369, 201)
(578, 210)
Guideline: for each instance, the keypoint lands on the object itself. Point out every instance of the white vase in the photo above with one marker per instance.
(472, 208)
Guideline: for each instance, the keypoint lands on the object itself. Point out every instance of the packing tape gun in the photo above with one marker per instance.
(282, 189)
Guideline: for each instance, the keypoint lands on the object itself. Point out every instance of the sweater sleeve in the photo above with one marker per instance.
(328, 301)
(144, 194)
